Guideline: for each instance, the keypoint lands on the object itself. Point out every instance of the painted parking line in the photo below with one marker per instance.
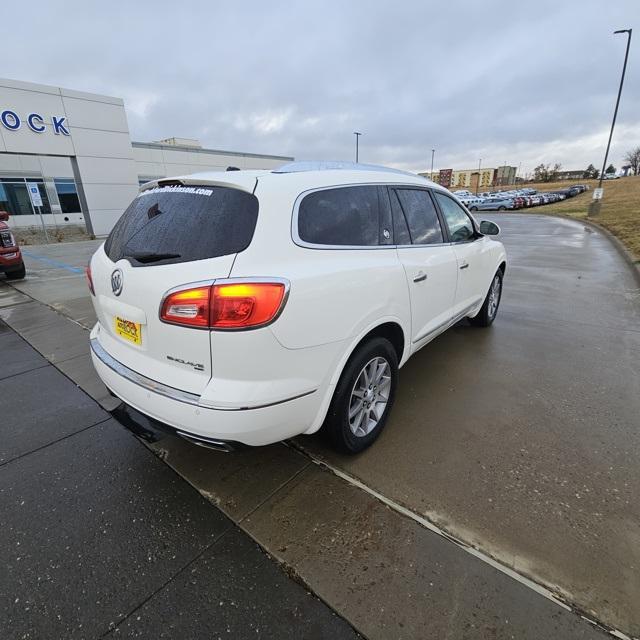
(52, 262)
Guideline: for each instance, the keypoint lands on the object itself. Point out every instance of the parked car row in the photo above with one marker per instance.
(515, 199)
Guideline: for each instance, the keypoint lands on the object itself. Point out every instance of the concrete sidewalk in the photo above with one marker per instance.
(99, 537)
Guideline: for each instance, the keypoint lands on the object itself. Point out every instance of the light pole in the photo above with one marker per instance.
(433, 153)
(594, 207)
(357, 134)
(478, 183)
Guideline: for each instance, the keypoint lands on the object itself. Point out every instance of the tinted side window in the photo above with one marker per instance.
(421, 216)
(400, 228)
(458, 222)
(174, 224)
(341, 216)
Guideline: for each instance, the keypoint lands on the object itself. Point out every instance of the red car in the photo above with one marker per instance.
(11, 262)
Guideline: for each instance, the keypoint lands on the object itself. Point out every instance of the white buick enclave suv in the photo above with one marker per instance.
(253, 306)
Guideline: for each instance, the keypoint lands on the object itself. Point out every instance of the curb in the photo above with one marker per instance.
(626, 254)
(629, 257)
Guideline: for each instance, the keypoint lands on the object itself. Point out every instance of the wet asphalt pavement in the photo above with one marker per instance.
(99, 537)
(524, 439)
(521, 440)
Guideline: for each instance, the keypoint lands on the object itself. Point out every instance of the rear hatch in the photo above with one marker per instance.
(170, 236)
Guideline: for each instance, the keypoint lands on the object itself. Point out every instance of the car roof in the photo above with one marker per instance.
(300, 176)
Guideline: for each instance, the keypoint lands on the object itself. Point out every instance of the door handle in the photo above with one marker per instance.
(420, 276)
(464, 265)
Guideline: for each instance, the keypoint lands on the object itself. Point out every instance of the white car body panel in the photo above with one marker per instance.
(264, 385)
(143, 289)
(432, 298)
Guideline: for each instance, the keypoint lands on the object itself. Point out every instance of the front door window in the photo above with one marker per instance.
(459, 224)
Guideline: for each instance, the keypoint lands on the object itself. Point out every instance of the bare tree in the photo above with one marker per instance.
(546, 173)
(633, 158)
(541, 173)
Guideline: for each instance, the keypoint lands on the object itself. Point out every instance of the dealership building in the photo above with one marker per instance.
(68, 155)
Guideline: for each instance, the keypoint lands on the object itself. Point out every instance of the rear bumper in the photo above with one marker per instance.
(10, 259)
(182, 410)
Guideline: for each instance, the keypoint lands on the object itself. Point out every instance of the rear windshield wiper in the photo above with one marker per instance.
(149, 256)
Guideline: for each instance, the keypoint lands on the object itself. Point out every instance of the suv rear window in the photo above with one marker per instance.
(343, 216)
(172, 224)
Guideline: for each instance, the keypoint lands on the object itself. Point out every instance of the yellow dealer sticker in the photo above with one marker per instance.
(128, 330)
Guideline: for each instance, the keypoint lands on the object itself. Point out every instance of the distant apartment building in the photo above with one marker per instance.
(577, 174)
(473, 179)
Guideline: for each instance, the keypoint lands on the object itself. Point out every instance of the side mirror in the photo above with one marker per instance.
(4, 216)
(489, 228)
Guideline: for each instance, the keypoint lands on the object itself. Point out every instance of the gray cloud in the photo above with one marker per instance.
(502, 81)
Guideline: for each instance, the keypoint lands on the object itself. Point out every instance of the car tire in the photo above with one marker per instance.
(17, 274)
(489, 309)
(474, 208)
(501, 208)
(348, 429)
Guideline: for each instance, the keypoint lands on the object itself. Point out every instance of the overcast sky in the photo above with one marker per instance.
(516, 81)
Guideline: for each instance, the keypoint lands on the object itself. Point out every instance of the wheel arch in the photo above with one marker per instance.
(392, 331)
(389, 328)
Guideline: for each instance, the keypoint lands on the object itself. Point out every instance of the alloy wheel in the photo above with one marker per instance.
(369, 397)
(494, 296)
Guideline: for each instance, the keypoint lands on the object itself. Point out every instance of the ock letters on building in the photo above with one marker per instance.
(11, 121)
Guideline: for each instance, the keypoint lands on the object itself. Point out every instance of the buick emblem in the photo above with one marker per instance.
(116, 282)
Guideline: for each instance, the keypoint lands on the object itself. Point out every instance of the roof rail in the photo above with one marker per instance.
(326, 165)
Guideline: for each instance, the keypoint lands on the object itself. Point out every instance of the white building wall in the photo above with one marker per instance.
(98, 142)
(97, 153)
(163, 161)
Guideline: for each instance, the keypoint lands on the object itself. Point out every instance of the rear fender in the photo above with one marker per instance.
(338, 368)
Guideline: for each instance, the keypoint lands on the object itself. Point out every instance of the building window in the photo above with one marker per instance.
(14, 196)
(68, 195)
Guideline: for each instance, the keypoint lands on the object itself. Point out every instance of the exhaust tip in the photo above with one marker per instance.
(216, 445)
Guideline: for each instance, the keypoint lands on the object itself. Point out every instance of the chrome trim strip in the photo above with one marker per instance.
(295, 236)
(171, 392)
(263, 406)
(140, 380)
(297, 240)
(443, 326)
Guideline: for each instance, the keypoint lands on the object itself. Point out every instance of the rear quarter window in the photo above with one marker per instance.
(173, 224)
(348, 216)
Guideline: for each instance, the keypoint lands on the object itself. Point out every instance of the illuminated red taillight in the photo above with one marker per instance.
(189, 307)
(246, 304)
(90, 279)
(229, 305)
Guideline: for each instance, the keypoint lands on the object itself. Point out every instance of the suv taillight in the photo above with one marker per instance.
(7, 239)
(90, 279)
(188, 307)
(229, 305)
